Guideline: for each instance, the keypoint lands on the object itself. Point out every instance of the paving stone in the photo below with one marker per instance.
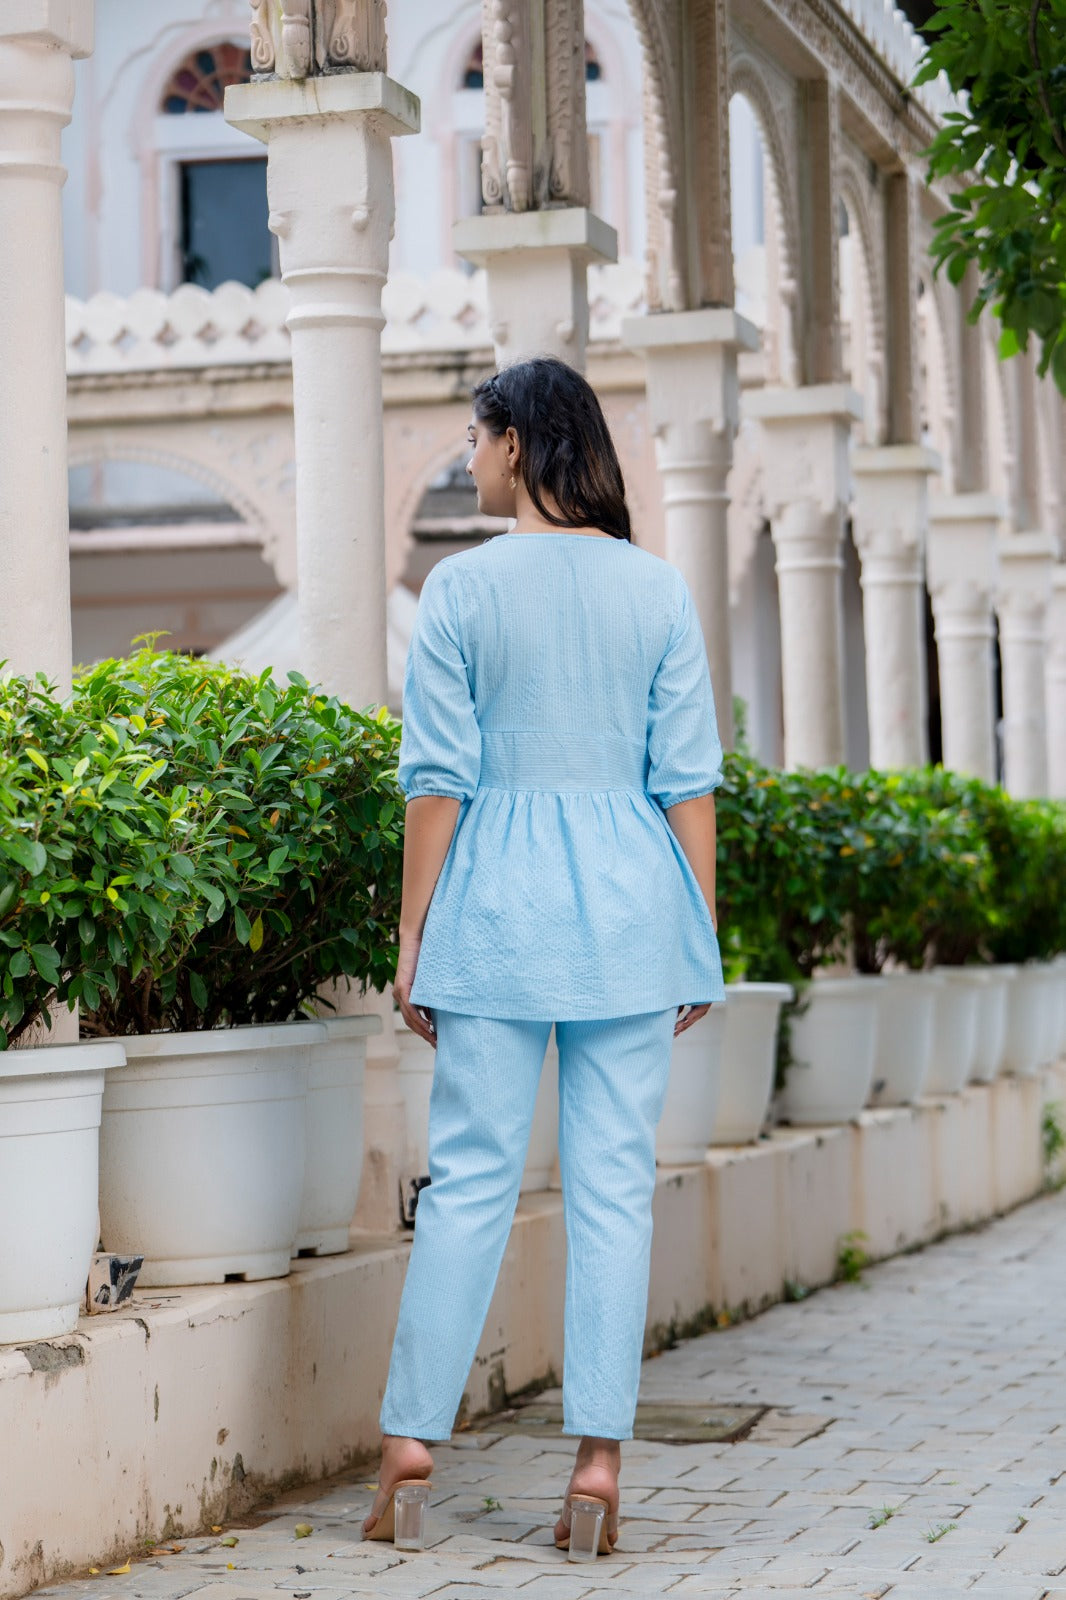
(920, 1394)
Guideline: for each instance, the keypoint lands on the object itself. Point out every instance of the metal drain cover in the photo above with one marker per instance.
(663, 1424)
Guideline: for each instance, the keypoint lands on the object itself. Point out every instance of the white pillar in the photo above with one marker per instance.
(806, 481)
(1056, 685)
(691, 377)
(1023, 595)
(962, 567)
(536, 264)
(38, 39)
(889, 522)
(330, 190)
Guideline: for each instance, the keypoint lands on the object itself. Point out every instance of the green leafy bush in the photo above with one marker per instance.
(185, 845)
(307, 886)
(98, 858)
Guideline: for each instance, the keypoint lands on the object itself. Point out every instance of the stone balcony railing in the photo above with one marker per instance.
(235, 326)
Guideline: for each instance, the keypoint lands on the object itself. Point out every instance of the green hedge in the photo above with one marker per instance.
(183, 846)
(913, 868)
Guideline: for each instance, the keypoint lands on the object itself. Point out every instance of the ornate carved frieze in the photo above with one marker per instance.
(686, 121)
(304, 38)
(534, 152)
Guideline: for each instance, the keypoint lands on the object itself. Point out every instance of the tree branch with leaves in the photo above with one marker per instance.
(1004, 151)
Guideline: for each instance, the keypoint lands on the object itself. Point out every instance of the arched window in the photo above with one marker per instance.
(474, 71)
(200, 82)
(473, 74)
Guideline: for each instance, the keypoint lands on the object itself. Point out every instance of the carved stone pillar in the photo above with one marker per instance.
(1022, 598)
(806, 479)
(37, 44)
(889, 522)
(536, 235)
(327, 117)
(691, 376)
(962, 567)
(1056, 685)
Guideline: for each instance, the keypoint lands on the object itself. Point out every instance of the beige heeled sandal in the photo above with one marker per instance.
(403, 1520)
(585, 1515)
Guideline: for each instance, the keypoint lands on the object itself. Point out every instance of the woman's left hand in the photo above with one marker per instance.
(692, 1014)
(418, 1018)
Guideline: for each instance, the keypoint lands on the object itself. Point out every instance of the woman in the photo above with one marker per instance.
(559, 754)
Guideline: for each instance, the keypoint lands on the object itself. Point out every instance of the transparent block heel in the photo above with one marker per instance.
(411, 1500)
(587, 1519)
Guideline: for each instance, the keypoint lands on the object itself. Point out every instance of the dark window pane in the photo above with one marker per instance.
(224, 230)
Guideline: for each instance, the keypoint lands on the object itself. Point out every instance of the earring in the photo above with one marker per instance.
(514, 482)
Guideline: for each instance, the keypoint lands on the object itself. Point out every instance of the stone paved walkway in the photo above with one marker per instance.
(916, 1446)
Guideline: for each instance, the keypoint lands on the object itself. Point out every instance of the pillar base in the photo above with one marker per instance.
(537, 264)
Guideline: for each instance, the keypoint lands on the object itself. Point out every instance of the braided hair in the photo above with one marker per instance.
(566, 448)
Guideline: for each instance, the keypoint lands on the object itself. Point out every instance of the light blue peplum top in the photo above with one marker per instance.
(557, 685)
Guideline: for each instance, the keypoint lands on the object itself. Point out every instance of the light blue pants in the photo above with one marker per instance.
(612, 1080)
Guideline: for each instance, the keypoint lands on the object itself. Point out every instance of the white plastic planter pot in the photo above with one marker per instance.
(691, 1103)
(334, 1165)
(415, 1070)
(50, 1100)
(1027, 998)
(955, 1029)
(991, 1024)
(833, 1047)
(749, 1056)
(417, 1058)
(202, 1152)
(1051, 1013)
(904, 1037)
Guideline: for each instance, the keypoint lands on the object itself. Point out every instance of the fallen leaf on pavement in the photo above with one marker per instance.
(303, 1530)
(118, 1572)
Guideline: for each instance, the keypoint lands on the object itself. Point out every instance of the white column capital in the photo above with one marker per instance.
(66, 23)
(572, 228)
(259, 108)
(963, 551)
(691, 366)
(891, 507)
(1024, 588)
(807, 459)
(537, 277)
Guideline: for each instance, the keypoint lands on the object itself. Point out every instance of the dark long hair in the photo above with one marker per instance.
(567, 449)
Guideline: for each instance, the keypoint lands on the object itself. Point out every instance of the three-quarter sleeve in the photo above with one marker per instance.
(684, 750)
(440, 745)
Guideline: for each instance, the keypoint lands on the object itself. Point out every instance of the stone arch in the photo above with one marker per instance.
(260, 512)
(746, 79)
(869, 355)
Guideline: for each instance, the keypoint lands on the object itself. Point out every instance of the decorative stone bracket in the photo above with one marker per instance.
(307, 38)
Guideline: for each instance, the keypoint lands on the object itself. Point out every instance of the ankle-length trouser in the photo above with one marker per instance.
(612, 1080)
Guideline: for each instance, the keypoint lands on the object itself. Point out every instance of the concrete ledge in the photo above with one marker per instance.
(194, 1404)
